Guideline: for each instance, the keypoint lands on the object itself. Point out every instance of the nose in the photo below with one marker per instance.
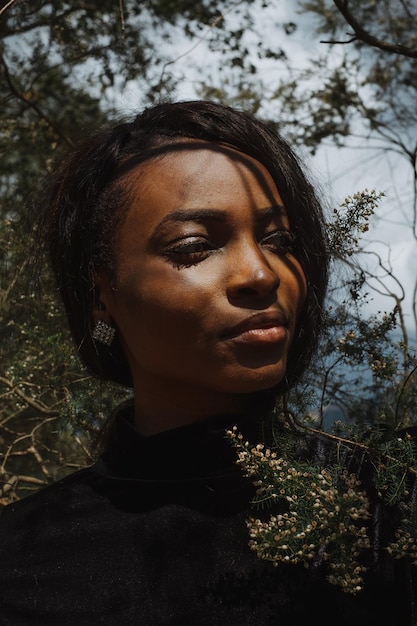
(251, 275)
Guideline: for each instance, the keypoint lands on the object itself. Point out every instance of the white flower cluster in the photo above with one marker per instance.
(318, 514)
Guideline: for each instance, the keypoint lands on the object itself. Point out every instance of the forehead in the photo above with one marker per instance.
(198, 175)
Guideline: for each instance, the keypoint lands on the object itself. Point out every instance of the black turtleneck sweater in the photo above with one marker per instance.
(154, 534)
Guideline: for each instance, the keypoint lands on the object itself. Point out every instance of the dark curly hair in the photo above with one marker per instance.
(85, 204)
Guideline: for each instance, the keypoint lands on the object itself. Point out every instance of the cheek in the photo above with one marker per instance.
(302, 292)
(166, 298)
(295, 284)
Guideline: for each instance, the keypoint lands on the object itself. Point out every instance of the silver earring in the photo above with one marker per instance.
(103, 333)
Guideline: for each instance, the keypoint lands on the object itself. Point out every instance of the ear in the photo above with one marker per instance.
(103, 298)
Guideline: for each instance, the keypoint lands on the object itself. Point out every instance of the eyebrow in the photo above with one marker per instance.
(201, 216)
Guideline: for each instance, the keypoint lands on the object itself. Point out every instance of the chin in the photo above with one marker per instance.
(254, 381)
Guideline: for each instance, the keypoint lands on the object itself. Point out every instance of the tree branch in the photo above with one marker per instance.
(195, 45)
(6, 6)
(40, 407)
(360, 34)
(32, 105)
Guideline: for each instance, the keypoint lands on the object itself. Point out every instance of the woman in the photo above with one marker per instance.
(189, 250)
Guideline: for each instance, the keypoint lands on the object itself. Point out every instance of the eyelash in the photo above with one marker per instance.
(285, 241)
(279, 242)
(180, 257)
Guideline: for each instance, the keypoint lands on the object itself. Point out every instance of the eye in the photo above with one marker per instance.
(190, 251)
(280, 241)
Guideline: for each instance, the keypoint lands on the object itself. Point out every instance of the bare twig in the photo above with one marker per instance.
(33, 450)
(22, 438)
(361, 34)
(7, 6)
(349, 443)
(122, 18)
(199, 41)
(32, 105)
(35, 404)
(402, 390)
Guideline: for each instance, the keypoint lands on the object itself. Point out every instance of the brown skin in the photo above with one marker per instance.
(206, 306)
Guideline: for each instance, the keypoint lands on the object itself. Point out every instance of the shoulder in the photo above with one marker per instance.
(52, 502)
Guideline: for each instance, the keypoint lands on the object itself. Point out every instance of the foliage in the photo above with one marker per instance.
(350, 221)
(318, 510)
(365, 366)
(368, 88)
(320, 507)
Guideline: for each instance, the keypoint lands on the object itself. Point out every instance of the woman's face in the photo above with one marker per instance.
(207, 291)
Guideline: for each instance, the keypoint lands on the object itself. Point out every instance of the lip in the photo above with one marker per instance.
(265, 327)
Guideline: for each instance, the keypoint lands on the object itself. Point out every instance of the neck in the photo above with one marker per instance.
(162, 411)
